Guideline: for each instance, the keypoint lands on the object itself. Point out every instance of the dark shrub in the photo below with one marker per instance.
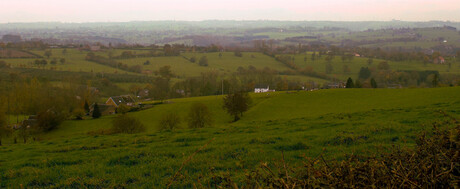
(126, 124)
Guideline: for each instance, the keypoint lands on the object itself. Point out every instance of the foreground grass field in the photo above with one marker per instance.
(299, 124)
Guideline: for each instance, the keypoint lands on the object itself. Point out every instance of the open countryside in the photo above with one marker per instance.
(229, 104)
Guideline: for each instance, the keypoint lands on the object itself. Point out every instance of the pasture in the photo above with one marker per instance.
(332, 122)
(319, 65)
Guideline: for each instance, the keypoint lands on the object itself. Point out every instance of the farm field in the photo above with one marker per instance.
(180, 66)
(333, 122)
(226, 65)
(319, 65)
(74, 61)
(15, 54)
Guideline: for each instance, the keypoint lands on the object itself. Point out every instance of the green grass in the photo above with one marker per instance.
(319, 65)
(332, 122)
(75, 62)
(227, 64)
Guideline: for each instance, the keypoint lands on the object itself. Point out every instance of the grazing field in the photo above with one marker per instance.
(319, 65)
(299, 124)
(74, 61)
(15, 54)
(226, 64)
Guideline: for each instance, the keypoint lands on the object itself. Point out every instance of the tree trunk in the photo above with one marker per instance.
(236, 118)
(0, 142)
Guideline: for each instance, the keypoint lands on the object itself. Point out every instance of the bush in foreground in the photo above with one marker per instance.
(169, 121)
(199, 116)
(127, 124)
(49, 120)
(434, 163)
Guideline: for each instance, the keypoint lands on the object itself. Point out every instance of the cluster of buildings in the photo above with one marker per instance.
(113, 103)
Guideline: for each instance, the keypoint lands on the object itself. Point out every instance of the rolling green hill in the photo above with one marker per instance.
(332, 122)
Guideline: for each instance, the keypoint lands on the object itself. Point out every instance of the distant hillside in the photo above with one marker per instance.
(149, 32)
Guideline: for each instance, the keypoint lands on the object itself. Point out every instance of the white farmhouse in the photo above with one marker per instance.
(262, 89)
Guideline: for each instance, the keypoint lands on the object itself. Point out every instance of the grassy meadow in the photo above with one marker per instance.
(330, 122)
(74, 62)
(319, 65)
(226, 65)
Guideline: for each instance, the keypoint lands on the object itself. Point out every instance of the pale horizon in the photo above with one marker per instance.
(87, 11)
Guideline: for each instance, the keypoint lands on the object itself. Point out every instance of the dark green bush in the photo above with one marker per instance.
(127, 124)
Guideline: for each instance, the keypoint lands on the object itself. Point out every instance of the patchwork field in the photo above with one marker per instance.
(333, 122)
(319, 65)
(226, 64)
(15, 54)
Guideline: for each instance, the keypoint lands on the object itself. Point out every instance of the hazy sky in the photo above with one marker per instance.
(146, 10)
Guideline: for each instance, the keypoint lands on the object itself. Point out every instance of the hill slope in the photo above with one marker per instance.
(299, 123)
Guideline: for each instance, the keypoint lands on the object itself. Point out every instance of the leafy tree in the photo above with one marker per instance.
(364, 73)
(147, 63)
(86, 106)
(62, 60)
(203, 61)
(135, 89)
(358, 84)
(435, 80)
(350, 83)
(96, 111)
(160, 89)
(127, 124)
(373, 83)
(4, 130)
(236, 104)
(313, 56)
(169, 121)
(79, 113)
(64, 51)
(23, 132)
(48, 53)
(199, 116)
(165, 72)
(193, 59)
(53, 61)
(383, 66)
(370, 61)
(37, 62)
(41, 63)
(238, 53)
(49, 119)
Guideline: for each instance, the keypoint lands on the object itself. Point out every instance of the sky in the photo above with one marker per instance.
(196, 10)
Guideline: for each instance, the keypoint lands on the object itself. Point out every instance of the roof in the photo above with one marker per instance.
(125, 99)
(104, 108)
